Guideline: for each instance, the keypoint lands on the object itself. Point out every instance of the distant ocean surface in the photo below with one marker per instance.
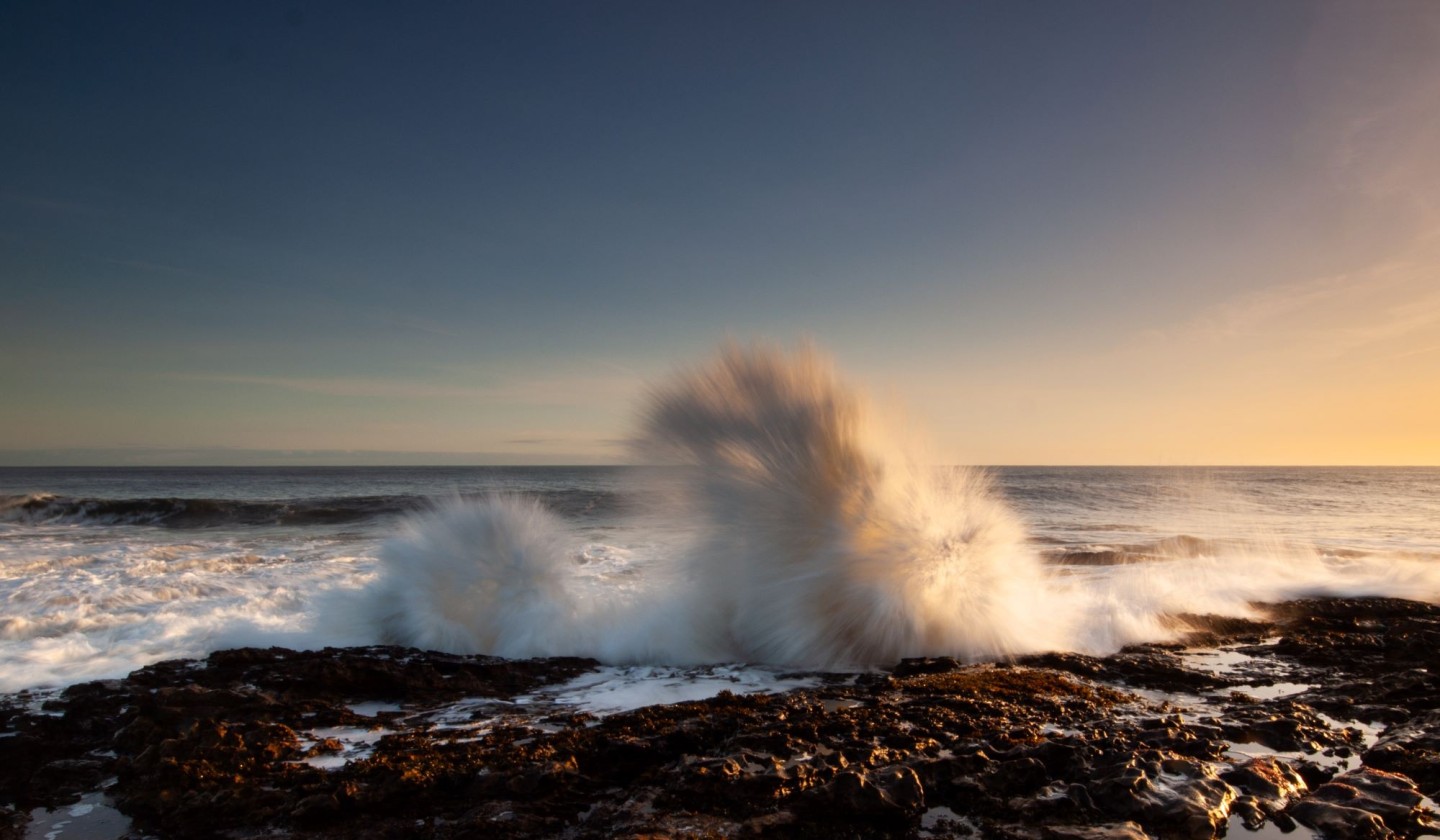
(103, 570)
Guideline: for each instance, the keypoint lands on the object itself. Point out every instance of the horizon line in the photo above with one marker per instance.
(594, 465)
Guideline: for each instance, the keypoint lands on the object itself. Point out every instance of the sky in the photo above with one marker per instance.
(1046, 232)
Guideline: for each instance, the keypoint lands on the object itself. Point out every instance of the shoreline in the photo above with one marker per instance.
(1323, 720)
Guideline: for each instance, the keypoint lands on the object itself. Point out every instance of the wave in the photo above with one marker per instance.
(174, 512)
(1178, 547)
(821, 543)
(1183, 547)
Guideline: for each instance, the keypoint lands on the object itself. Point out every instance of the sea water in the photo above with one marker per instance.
(783, 531)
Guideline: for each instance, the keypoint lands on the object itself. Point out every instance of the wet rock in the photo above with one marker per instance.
(1021, 775)
(1060, 758)
(929, 665)
(1215, 630)
(1375, 637)
(1269, 779)
(1285, 726)
(1391, 797)
(1411, 748)
(1049, 747)
(1181, 736)
(1363, 803)
(1146, 666)
(1105, 831)
(893, 793)
(1340, 822)
(12, 823)
(1183, 796)
(316, 809)
(1390, 697)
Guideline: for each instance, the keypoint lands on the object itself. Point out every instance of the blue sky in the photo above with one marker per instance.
(1105, 232)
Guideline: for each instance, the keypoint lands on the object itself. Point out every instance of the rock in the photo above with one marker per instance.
(929, 665)
(894, 792)
(1143, 667)
(1038, 749)
(1022, 775)
(1284, 726)
(1105, 831)
(1390, 797)
(1267, 778)
(1183, 796)
(1365, 804)
(316, 809)
(1411, 748)
(1340, 822)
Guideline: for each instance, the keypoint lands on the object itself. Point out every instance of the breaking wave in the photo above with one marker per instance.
(819, 541)
(1184, 547)
(820, 544)
(174, 512)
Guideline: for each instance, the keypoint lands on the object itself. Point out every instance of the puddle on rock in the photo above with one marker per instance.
(92, 818)
(1274, 691)
(1267, 831)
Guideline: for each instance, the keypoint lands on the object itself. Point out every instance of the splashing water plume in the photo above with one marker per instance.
(826, 545)
(821, 543)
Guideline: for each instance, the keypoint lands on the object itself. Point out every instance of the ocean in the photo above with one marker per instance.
(788, 528)
(103, 570)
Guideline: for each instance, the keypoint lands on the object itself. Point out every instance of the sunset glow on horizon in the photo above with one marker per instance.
(1108, 233)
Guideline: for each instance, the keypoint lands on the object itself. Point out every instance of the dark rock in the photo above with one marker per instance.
(1267, 778)
(1038, 749)
(893, 792)
(1021, 775)
(1105, 831)
(1390, 797)
(1339, 821)
(1183, 796)
(1364, 803)
(1284, 726)
(1411, 748)
(1144, 667)
(316, 809)
(935, 665)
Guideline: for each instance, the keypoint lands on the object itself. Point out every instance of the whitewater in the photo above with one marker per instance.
(782, 524)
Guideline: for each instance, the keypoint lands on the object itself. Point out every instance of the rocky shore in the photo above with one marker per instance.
(1323, 720)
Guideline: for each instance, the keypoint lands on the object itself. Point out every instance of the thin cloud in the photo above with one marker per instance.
(1258, 310)
(554, 391)
(1418, 351)
(1326, 317)
(1395, 322)
(343, 386)
(567, 440)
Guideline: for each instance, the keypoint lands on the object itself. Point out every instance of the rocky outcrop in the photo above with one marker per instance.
(391, 742)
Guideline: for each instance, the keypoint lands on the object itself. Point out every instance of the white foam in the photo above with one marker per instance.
(82, 605)
(816, 544)
(799, 533)
(356, 744)
(1120, 605)
(616, 689)
(816, 541)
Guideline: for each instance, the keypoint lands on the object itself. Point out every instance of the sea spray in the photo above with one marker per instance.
(485, 577)
(825, 543)
(821, 544)
(103, 571)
